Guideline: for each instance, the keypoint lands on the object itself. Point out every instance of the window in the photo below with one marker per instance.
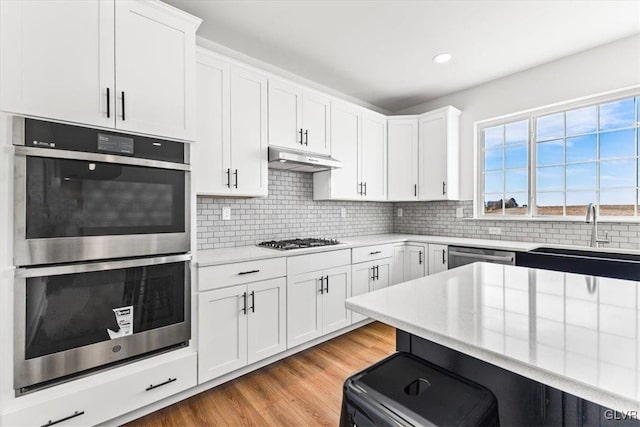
(556, 163)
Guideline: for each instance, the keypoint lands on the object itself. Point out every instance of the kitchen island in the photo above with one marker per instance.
(556, 348)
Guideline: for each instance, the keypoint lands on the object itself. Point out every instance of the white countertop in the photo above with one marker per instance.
(579, 334)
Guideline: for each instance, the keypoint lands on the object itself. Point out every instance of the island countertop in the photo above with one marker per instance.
(576, 333)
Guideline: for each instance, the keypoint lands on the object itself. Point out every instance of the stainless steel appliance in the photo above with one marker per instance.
(461, 256)
(83, 194)
(289, 244)
(77, 317)
(300, 161)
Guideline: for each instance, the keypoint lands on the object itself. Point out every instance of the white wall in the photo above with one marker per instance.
(601, 69)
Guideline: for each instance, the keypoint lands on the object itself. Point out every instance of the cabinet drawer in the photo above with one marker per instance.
(370, 253)
(320, 261)
(220, 276)
(125, 389)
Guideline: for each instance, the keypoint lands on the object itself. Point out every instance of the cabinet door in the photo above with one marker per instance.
(373, 156)
(222, 324)
(361, 284)
(249, 173)
(398, 264)
(285, 112)
(438, 258)
(57, 60)
(383, 274)
(402, 153)
(211, 154)
(304, 308)
(267, 318)
(433, 158)
(337, 289)
(345, 136)
(415, 262)
(155, 70)
(316, 121)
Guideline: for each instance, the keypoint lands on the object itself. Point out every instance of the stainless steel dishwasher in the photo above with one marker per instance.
(461, 256)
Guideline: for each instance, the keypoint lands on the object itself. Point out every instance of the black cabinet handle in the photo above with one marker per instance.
(444, 253)
(300, 132)
(375, 252)
(365, 188)
(444, 188)
(373, 273)
(326, 282)
(228, 177)
(253, 302)
(322, 285)
(244, 306)
(242, 273)
(420, 257)
(75, 414)
(360, 190)
(169, 381)
(306, 137)
(415, 190)
(236, 175)
(123, 116)
(108, 103)
(377, 270)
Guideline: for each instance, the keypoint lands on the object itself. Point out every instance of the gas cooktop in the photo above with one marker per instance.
(285, 245)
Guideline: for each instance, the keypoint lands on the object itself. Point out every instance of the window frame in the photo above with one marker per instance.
(531, 116)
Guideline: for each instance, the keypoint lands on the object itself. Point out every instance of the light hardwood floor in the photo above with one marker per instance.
(303, 389)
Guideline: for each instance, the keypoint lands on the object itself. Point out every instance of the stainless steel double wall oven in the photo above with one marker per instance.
(101, 248)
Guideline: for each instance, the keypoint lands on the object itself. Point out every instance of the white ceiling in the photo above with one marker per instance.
(380, 51)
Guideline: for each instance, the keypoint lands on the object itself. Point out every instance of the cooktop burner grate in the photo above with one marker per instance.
(297, 243)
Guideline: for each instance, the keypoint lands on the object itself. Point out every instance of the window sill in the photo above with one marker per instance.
(626, 220)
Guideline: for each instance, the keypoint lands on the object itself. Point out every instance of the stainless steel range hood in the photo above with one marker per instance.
(286, 158)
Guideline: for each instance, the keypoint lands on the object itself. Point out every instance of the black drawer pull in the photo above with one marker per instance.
(75, 414)
(242, 273)
(375, 253)
(169, 381)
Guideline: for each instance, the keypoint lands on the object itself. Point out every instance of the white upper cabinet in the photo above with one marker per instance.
(373, 156)
(128, 65)
(57, 60)
(230, 154)
(298, 119)
(402, 141)
(439, 155)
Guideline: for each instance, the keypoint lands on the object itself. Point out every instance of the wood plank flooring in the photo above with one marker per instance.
(303, 389)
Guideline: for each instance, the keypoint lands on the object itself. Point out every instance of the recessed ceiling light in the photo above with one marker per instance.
(441, 58)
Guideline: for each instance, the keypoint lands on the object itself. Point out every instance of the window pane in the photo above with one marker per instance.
(493, 159)
(517, 132)
(581, 148)
(550, 153)
(494, 136)
(493, 204)
(550, 127)
(582, 120)
(516, 180)
(618, 114)
(550, 178)
(493, 182)
(617, 144)
(577, 201)
(581, 176)
(550, 203)
(516, 157)
(618, 173)
(620, 202)
(516, 204)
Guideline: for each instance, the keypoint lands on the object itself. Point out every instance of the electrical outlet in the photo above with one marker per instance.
(226, 213)
(343, 212)
(496, 231)
(399, 212)
(459, 212)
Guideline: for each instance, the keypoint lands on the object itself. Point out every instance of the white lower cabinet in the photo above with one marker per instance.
(370, 276)
(438, 258)
(410, 262)
(315, 303)
(240, 325)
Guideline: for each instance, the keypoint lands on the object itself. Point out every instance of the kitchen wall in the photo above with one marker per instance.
(439, 219)
(287, 212)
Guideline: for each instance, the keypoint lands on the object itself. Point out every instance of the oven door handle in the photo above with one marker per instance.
(481, 257)
(97, 266)
(98, 157)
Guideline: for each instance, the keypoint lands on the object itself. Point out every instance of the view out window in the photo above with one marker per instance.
(556, 164)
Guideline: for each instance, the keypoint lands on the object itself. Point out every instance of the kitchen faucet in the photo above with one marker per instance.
(595, 241)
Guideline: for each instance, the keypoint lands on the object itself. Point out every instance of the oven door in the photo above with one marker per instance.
(75, 206)
(72, 318)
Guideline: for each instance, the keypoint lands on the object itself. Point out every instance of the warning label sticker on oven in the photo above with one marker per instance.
(124, 319)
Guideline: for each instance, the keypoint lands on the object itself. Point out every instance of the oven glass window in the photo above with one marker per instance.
(77, 198)
(73, 310)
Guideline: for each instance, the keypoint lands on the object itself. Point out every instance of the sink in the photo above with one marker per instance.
(583, 261)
